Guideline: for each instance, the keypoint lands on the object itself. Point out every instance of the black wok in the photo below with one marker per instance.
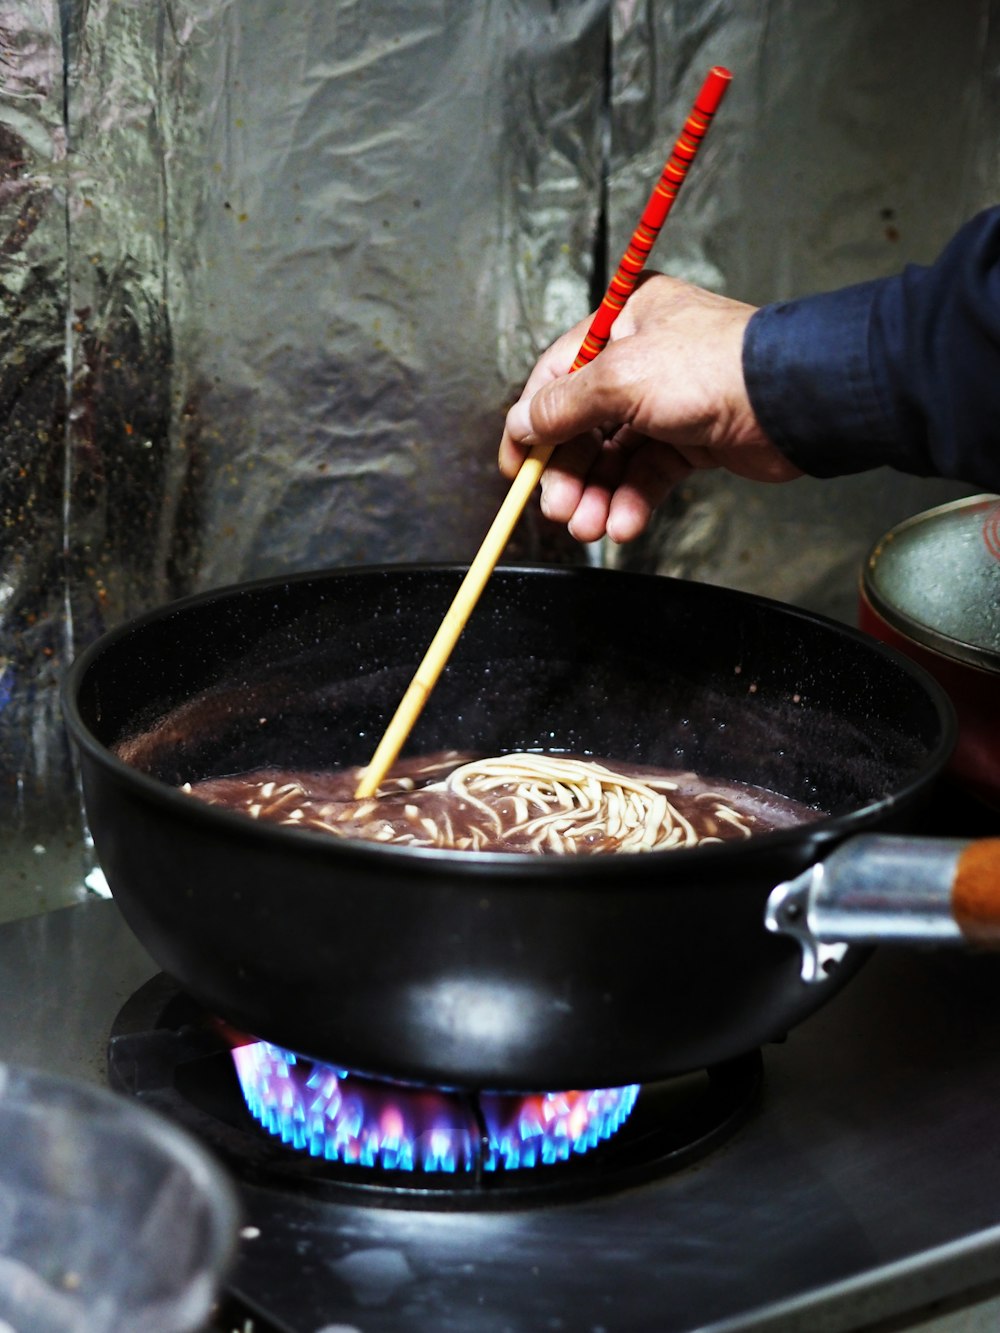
(503, 971)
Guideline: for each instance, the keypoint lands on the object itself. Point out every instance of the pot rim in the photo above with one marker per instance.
(430, 860)
(979, 657)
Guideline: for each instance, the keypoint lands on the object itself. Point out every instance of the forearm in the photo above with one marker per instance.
(903, 371)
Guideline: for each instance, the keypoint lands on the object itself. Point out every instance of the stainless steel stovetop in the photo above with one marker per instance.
(866, 1185)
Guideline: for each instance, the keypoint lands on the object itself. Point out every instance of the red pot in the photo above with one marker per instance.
(931, 588)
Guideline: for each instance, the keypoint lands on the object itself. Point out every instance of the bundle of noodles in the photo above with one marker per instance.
(511, 802)
(567, 805)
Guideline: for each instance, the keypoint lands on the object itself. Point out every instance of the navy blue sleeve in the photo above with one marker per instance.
(901, 371)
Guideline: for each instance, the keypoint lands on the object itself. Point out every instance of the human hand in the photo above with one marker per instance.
(664, 398)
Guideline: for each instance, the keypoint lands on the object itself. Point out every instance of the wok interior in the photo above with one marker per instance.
(306, 673)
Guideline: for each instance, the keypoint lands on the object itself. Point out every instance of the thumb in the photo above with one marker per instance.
(572, 405)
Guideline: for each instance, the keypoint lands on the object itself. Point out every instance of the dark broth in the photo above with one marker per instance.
(414, 807)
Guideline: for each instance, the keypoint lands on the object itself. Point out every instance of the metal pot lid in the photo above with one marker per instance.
(936, 578)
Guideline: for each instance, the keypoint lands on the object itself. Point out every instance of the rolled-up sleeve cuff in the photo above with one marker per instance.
(810, 382)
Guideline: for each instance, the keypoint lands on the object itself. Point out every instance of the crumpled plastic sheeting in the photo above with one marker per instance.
(398, 203)
(33, 282)
(296, 259)
(305, 255)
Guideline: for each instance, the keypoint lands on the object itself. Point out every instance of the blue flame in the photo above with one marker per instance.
(343, 1117)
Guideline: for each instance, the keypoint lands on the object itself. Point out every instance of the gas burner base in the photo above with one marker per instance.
(166, 1051)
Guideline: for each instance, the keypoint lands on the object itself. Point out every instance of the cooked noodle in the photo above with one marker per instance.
(512, 802)
(561, 805)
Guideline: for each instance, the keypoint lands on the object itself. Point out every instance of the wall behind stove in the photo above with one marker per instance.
(271, 273)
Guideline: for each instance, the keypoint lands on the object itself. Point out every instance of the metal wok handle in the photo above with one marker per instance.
(881, 888)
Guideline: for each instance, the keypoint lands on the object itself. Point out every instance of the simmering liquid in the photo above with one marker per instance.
(552, 804)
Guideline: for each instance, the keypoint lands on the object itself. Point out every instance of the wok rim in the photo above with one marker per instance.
(583, 867)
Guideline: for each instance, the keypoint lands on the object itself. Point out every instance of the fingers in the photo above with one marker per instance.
(566, 478)
(652, 472)
(612, 489)
(665, 397)
(597, 486)
(584, 505)
(511, 456)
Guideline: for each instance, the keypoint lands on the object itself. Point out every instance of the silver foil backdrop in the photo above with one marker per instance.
(271, 273)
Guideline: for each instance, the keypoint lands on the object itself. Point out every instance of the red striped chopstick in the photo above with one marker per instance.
(622, 285)
(655, 213)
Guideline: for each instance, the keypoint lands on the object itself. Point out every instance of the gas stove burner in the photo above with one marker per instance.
(368, 1123)
(166, 1051)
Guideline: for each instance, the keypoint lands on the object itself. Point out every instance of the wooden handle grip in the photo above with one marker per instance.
(975, 894)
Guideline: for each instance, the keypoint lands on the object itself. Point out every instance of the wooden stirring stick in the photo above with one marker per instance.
(529, 474)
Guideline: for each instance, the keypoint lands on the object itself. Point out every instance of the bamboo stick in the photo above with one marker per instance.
(622, 284)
